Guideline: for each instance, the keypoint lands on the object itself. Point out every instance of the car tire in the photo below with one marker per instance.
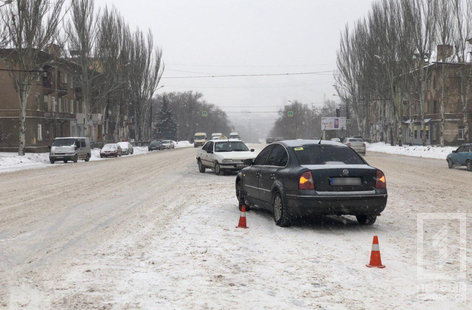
(281, 216)
(217, 169)
(52, 161)
(201, 167)
(87, 158)
(366, 219)
(65, 161)
(450, 164)
(76, 158)
(469, 165)
(240, 196)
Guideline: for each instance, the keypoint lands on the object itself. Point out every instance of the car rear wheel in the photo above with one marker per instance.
(217, 169)
(450, 164)
(469, 165)
(366, 219)
(65, 161)
(76, 158)
(281, 216)
(201, 167)
(87, 158)
(52, 161)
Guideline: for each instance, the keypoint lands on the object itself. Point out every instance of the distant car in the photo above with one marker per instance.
(269, 140)
(234, 135)
(301, 177)
(357, 144)
(461, 157)
(199, 139)
(168, 144)
(278, 139)
(216, 135)
(70, 148)
(126, 148)
(223, 156)
(156, 145)
(110, 150)
(335, 139)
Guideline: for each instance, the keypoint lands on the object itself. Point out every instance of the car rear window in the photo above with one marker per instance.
(356, 140)
(327, 154)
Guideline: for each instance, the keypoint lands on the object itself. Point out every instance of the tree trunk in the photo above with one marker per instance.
(23, 96)
(422, 102)
(465, 110)
(441, 110)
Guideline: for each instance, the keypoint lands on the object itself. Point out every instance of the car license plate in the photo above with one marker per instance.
(345, 181)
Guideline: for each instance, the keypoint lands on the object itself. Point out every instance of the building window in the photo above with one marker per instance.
(416, 134)
(47, 103)
(59, 104)
(40, 132)
(53, 103)
(461, 133)
(65, 78)
(38, 102)
(71, 82)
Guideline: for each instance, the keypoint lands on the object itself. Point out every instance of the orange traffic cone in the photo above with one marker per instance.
(242, 219)
(375, 260)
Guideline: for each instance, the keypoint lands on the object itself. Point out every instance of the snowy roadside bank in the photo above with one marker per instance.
(435, 152)
(10, 161)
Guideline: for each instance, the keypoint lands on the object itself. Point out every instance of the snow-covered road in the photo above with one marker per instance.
(150, 232)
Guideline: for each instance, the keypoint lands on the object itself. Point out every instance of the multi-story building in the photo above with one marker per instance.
(444, 84)
(54, 106)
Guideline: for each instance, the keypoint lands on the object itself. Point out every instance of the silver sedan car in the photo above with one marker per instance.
(357, 144)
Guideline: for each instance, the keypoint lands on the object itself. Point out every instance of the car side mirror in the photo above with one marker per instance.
(248, 162)
(252, 150)
(455, 151)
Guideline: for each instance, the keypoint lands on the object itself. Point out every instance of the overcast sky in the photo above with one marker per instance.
(200, 37)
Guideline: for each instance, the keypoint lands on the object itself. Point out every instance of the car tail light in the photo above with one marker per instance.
(380, 181)
(306, 181)
(348, 144)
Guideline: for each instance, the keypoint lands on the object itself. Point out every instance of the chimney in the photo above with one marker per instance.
(444, 51)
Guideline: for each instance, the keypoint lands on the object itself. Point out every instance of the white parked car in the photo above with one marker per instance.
(126, 148)
(168, 144)
(357, 144)
(223, 155)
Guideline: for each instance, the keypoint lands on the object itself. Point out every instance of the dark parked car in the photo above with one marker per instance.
(461, 157)
(301, 177)
(156, 145)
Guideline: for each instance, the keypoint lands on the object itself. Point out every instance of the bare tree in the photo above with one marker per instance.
(145, 71)
(445, 31)
(462, 13)
(30, 26)
(81, 33)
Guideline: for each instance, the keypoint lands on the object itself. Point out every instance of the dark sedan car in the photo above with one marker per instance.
(301, 177)
(156, 145)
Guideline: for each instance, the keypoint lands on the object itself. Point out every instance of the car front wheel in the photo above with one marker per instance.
(281, 216)
(76, 158)
(366, 219)
(87, 158)
(469, 165)
(201, 167)
(450, 164)
(217, 169)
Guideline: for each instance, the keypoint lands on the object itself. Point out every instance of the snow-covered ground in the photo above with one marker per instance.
(181, 144)
(415, 150)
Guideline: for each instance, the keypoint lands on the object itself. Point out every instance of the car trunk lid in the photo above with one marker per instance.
(341, 177)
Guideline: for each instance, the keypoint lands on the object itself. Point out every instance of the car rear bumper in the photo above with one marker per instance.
(336, 204)
(62, 157)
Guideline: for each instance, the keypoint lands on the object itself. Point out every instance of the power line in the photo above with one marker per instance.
(247, 75)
